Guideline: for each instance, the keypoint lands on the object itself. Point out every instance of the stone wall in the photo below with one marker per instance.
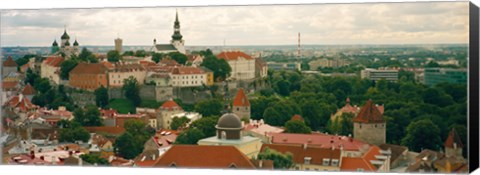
(374, 133)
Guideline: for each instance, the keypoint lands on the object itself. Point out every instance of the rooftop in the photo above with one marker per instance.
(319, 140)
(234, 55)
(241, 99)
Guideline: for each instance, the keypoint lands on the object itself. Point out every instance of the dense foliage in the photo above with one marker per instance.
(131, 143)
(72, 131)
(131, 89)
(280, 161)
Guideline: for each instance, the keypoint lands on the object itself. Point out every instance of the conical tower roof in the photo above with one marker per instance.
(65, 35)
(75, 43)
(369, 114)
(452, 138)
(55, 43)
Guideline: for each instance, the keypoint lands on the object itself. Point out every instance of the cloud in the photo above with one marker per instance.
(369, 23)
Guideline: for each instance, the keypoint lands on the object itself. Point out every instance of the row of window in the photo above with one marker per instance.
(186, 82)
(186, 77)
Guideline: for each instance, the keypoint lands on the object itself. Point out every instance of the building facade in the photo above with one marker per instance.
(122, 71)
(433, 76)
(51, 68)
(242, 64)
(241, 105)
(9, 66)
(188, 77)
(88, 76)
(375, 75)
(369, 125)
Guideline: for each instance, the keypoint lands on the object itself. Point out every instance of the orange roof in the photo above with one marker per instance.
(9, 62)
(89, 68)
(369, 114)
(241, 99)
(168, 62)
(108, 65)
(234, 56)
(453, 138)
(9, 84)
(297, 117)
(317, 154)
(54, 61)
(355, 163)
(28, 90)
(204, 156)
(187, 70)
(170, 105)
(105, 129)
(319, 140)
(21, 103)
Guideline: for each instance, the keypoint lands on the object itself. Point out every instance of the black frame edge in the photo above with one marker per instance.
(473, 122)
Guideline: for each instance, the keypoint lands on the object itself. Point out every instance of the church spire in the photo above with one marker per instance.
(176, 29)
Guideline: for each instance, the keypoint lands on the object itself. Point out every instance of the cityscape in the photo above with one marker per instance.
(396, 102)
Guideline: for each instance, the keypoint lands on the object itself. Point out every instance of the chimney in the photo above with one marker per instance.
(305, 146)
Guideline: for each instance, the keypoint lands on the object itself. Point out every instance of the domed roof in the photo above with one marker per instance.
(55, 43)
(65, 35)
(75, 43)
(229, 121)
(67, 43)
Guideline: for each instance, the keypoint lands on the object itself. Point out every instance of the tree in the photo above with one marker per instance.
(342, 125)
(113, 56)
(190, 136)
(131, 89)
(87, 56)
(297, 126)
(101, 96)
(24, 60)
(283, 87)
(90, 116)
(206, 125)
(140, 53)
(179, 122)
(157, 57)
(31, 76)
(280, 161)
(126, 147)
(209, 107)
(179, 57)
(221, 69)
(258, 106)
(66, 67)
(280, 112)
(94, 159)
(422, 134)
(131, 143)
(128, 53)
(72, 132)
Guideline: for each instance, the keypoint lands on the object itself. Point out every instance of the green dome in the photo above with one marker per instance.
(67, 43)
(75, 43)
(65, 35)
(55, 43)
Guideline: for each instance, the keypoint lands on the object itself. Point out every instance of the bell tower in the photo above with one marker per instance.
(177, 40)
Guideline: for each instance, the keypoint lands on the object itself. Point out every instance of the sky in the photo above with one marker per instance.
(324, 24)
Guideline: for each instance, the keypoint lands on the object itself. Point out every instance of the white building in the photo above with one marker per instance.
(375, 75)
(188, 77)
(122, 71)
(51, 68)
(177, 44)
(242, 64)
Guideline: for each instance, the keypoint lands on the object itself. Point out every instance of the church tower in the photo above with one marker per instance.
(241, 105)
(76, 47)
(453, 145)
(177, 41)
(55, 47)
(65, 39)
(369, 125)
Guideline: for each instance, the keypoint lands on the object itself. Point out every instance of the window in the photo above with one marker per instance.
(375, 125)
(334, 162)
(360, 125)
(316, 169)
(326, 162)
(360, 169)
(223, 135)
(307, 169)
(297, 168)
(307, 160)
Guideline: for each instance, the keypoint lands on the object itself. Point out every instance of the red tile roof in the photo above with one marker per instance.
(170, 105)
(108, 65)
(299, 152)
(110, 113)
(127, 67)
(319, 140)
(9, 62)
(369, 114)
(89, 68)
(453, 137)
(28, 90)
(354, 163)
(234, 55)
(297, 117)
(204, 156)
(168, 62)
(187, 70)
(54, 61)
(105, 129)
(22, 103)
(9, 85)
(241, 99)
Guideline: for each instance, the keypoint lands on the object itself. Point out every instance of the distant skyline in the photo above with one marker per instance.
(322, 24)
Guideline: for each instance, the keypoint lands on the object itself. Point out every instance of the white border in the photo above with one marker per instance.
(48, 4)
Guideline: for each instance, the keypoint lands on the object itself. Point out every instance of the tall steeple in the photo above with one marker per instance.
(176, 29)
